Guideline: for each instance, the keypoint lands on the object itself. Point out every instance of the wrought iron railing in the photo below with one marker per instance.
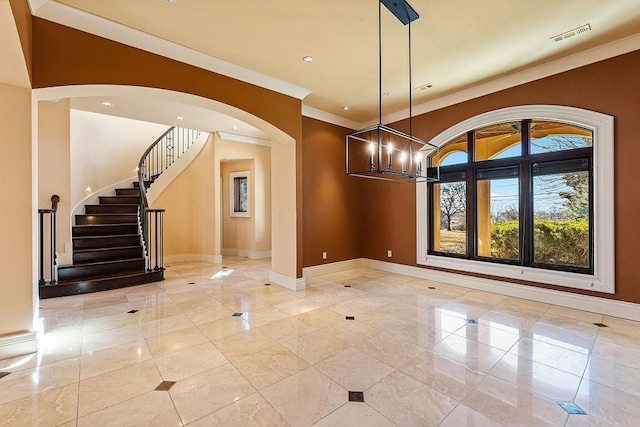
(51, 249)
(158, 157)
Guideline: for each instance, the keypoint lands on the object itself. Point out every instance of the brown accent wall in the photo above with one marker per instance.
(332, 205)
(610, 87)
(23, 19)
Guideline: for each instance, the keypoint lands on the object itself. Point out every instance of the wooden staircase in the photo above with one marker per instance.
(107, 248)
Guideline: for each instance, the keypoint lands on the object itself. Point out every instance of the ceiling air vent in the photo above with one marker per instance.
(576, 31)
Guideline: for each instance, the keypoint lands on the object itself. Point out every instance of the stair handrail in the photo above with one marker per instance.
(156, 159)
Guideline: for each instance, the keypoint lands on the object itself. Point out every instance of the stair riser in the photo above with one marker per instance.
(84, 287)
(105, 242)
(119, 200)
(107, 255)
(73, 273)
(106, 219)
(105, 230)
(147, 184)
(127, 192)
(103, 209)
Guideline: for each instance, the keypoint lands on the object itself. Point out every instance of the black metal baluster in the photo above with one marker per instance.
(41, 282)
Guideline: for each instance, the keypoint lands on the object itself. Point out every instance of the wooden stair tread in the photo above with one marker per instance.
(100, 263)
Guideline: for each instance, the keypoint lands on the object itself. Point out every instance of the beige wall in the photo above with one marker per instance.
(284, 220)
(54, 164)
(17, 213)
(188, 200)
(106, 150)
(251, 234)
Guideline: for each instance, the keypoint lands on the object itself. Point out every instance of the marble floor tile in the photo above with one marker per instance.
(292, 356)
(536, 377)
(244, 344)
(29, 382)
(175, 341)
(443, 374)
(487, 335)
(265, 315)
(354, 370)
(154, 408)
(52, 407)
(321, 317)
(614, 375)
(391, 350)
(306, 397)
(202, 394)
(224, 327)
(408, 402)
(191, 361)
(269, 366)
(605, 406)
(111, 338)
(315, 346)
(113, 358)
(355, 414)
(512, 405)
(251, 411)
(475, 356)
(551, 355)
(114, 387)
(619, 354)
(463, 416)
(572, 313)
(165, 325)
(286, 329)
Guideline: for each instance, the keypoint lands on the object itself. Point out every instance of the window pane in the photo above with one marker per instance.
(498, 141)
(561, 213)
(498, 213)
(554, 136)
(454, 152)
(450, 219)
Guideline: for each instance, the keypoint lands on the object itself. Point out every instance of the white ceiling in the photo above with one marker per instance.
(157, 110)
(458, 45)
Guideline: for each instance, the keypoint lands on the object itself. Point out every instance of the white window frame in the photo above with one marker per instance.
(602, 125)
(232, 194)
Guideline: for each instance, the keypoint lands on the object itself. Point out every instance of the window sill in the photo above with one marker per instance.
(550, 277)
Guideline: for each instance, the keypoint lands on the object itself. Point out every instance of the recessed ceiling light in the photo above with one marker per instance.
(179, 118)
(387, 94)
(107, 104)
(234, 127)
(345, 108)
(308, 59)
(170, 1)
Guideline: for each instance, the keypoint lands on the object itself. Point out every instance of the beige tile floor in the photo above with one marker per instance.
(292, 357)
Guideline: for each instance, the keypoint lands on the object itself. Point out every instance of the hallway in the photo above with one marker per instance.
(232, 351)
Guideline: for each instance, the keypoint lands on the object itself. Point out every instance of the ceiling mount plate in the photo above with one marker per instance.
(402, 10)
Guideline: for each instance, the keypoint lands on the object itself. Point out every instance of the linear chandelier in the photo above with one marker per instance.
(380, 151)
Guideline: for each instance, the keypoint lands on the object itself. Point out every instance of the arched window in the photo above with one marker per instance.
(524, 192)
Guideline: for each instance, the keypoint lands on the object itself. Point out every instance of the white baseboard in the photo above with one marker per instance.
(606, 306)
(246, 253)
(333, 267)
(18, 344)
(215, 259)
(295, 284)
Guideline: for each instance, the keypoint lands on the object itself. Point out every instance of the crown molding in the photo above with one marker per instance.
(580, 59)
(80, 20)
(324, 116)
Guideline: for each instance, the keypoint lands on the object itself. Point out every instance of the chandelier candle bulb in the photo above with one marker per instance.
(403, 157)
(419, 163)
(372, 148)
(389, 152)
